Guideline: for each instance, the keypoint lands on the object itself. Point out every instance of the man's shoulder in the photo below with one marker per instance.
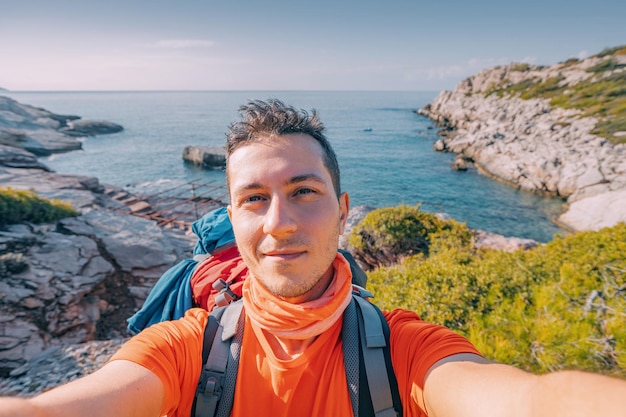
(408, 323)
(400, 315)
(191, 325)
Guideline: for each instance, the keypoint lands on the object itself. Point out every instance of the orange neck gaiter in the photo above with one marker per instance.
(299, 321)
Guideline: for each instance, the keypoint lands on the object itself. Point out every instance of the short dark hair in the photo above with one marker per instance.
(263, 119)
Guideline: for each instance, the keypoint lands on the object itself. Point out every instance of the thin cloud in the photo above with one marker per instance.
(184, 43)
(465, 69)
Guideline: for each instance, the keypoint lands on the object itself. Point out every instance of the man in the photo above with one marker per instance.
(287, 211)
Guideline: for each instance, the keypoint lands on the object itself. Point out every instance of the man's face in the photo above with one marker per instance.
(285, 214)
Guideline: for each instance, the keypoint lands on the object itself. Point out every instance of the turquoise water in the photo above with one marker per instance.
(384, 150)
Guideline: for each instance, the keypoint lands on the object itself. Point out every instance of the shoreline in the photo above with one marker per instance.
(554, 218)
(531, 145)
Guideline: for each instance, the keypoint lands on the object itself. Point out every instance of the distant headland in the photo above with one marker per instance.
(551, 129)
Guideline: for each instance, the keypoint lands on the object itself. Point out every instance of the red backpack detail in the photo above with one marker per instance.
(226, 265)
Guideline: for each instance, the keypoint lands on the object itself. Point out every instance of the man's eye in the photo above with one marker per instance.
(253, 199)
(304, 191)
(250, 200)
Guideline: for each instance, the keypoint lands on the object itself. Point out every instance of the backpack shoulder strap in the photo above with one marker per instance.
(378, 384)
(220, 354)
(351, 355)
(367, 361)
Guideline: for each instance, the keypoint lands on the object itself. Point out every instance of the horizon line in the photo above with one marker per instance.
(4, 90)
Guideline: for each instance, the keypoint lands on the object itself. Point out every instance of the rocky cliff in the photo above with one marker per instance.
(78, 279)
(559, 130)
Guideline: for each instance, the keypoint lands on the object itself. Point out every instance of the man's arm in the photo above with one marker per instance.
(467, 385)
(120, 388)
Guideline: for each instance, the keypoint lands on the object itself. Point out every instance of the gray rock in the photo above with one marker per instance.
(494, 241)
(91, 128)
(206, 157)
(42, 132)
(76, 280)
(11, 156)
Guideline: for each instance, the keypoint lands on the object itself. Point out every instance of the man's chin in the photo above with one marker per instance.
(286, 287)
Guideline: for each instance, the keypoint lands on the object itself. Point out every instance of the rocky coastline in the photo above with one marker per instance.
(78, 280)
(536, 146)
(66, 289)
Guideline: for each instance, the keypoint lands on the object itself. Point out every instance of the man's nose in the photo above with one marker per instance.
(279, 218)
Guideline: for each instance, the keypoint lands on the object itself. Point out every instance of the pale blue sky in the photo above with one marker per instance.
(289, 44)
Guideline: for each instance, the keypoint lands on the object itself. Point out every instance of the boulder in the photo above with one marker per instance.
(205, 156)
(594, 213)
(91, 128)
(11, 156)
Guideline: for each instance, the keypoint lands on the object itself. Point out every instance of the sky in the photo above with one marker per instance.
(404, 45)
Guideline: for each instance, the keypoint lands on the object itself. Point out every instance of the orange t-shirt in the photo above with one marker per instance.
(313, 384)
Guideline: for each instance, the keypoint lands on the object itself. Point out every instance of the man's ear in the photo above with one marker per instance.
(344, 209)
(229, 209)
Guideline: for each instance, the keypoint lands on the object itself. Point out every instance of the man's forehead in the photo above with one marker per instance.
(287, 160)
(296, 145)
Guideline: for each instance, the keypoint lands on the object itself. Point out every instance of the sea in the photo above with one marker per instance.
(385, 150)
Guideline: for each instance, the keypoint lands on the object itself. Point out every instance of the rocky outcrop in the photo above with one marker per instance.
(58, 365)
(535, 146)
(81, 278)
(42, 132)
(79, 128)
(205, 156)
(10, 156)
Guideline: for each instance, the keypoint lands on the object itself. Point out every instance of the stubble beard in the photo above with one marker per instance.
(284, 286)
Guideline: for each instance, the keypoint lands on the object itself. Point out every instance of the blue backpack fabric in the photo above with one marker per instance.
(172, 296)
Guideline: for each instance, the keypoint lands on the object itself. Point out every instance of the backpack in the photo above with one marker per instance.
(371, 380)
(372, 383)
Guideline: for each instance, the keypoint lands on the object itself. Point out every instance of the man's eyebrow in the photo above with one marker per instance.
(253, 186)
(306, 177)
(248, 187)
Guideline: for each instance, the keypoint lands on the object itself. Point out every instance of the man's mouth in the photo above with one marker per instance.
(284, 254)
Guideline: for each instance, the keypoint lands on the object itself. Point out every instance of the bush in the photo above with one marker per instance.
(617, 50)
(606, 65)
(521, 67)
(602, 97)
(387, 235)
(559, 305)
(17, 206)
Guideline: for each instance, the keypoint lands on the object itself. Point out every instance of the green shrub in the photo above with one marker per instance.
(558, 305)
(573, 317)
(548, 88)
(570, 62)
(387, 235)
(17, 206)
(617, 50)
(521, 67)
(601, 97)
(606, 65)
